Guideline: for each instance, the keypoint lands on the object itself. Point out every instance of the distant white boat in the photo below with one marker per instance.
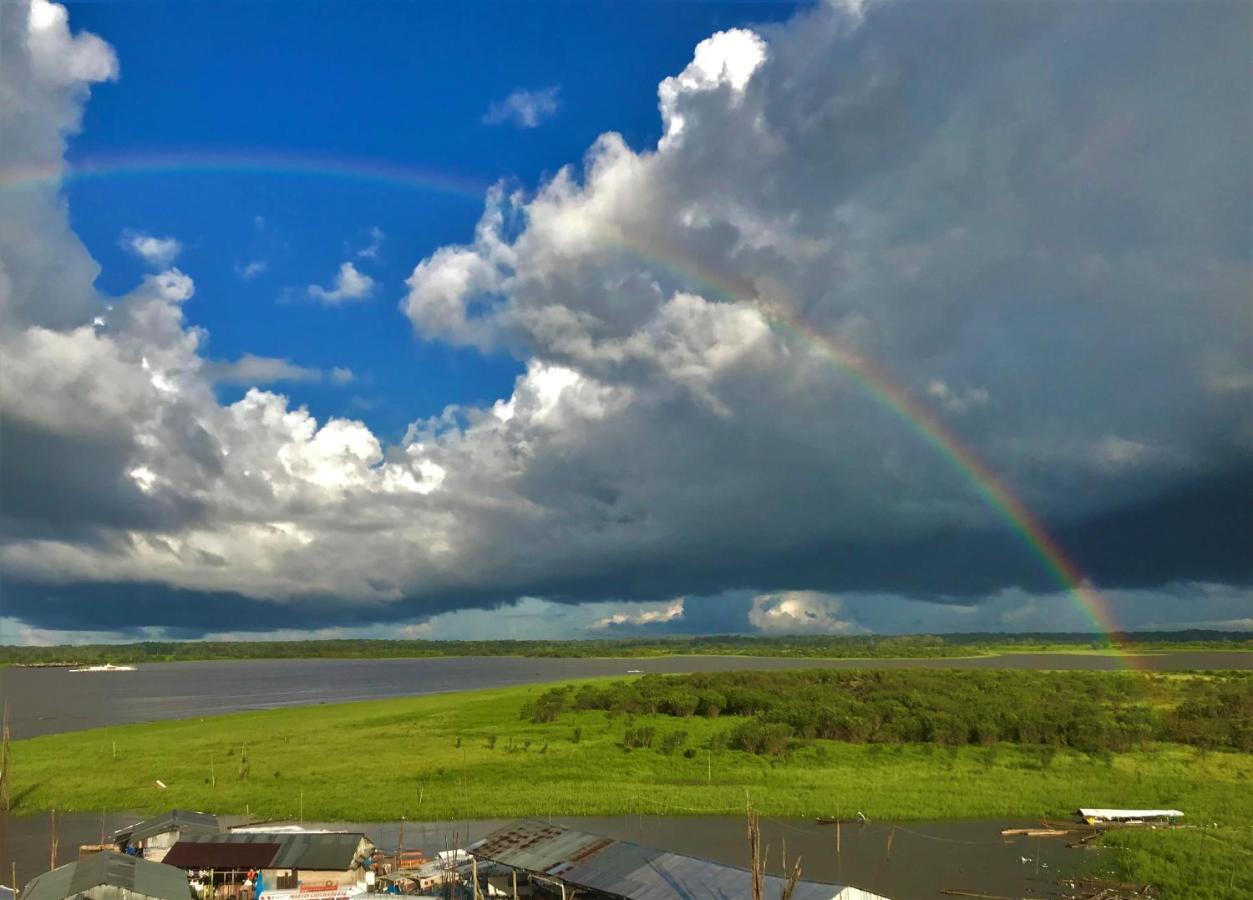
(107, 667)
(635, 672)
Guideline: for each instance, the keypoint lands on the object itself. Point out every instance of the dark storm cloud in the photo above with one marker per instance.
(65, 485)
(1201, 533)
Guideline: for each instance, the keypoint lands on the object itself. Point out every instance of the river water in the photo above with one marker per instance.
(906, 861)
(47, 701)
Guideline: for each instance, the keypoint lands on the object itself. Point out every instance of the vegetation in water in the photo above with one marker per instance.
(1201, 863)
(816, 647)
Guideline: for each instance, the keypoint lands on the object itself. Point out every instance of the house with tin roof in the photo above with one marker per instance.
(310, 861)
(109, 875)
(153, 838)
(591, 865)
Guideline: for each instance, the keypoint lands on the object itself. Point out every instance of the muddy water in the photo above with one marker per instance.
(906, 861)
(47, 701)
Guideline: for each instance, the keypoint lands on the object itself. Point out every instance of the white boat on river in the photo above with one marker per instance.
(107, 667)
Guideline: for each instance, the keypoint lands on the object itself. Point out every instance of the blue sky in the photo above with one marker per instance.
(678, 318)
(406, 84)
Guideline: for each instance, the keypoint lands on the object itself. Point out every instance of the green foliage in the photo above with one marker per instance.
(673, 742)
(639, 737)
(1091, 712)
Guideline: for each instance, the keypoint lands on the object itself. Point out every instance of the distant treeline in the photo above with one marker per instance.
(1085, 711)
(817, 647)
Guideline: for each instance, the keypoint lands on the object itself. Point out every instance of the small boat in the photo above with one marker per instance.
(1130, 816)
(635, 671)
(107, 667)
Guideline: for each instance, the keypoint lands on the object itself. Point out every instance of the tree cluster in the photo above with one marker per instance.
(1085, 711)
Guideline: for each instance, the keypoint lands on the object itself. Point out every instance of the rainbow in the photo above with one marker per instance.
(891, 396)
(229, 162)
(870, 378)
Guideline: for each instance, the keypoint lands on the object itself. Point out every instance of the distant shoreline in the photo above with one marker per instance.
(868, 648)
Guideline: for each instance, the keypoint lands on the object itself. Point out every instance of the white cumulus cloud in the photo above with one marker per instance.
(348, 285)
(523, 108)
(800, 612)
(156, 252)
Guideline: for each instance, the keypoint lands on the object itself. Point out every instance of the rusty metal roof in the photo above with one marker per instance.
(626, 870)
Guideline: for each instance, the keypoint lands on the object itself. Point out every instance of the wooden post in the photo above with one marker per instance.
(474, 874)
(52, 838)
(5, 775)
(515, 882)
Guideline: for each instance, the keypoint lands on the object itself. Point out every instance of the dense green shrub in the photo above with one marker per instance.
(1092, 712)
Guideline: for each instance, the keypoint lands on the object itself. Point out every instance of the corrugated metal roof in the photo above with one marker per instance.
(213, 855)
(333, 851)
(148, 879)
(185, 822)
(624, 869)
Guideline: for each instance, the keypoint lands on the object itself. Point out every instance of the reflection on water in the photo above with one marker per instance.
(906, 861)
(46, 701)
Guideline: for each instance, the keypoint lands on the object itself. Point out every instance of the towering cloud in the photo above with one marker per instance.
(1033, 216)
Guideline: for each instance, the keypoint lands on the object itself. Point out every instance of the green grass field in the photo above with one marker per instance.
(1215, 864)
(472, 756)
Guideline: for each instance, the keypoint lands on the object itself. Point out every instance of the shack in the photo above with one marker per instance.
(153, 838)
(110, 875)
(564, 861)
(311, 862)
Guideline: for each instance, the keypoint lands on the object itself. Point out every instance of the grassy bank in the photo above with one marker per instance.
(472, 754)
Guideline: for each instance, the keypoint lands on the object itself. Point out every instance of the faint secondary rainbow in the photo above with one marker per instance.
(238, 163)
(876, 383)
(873, 380)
